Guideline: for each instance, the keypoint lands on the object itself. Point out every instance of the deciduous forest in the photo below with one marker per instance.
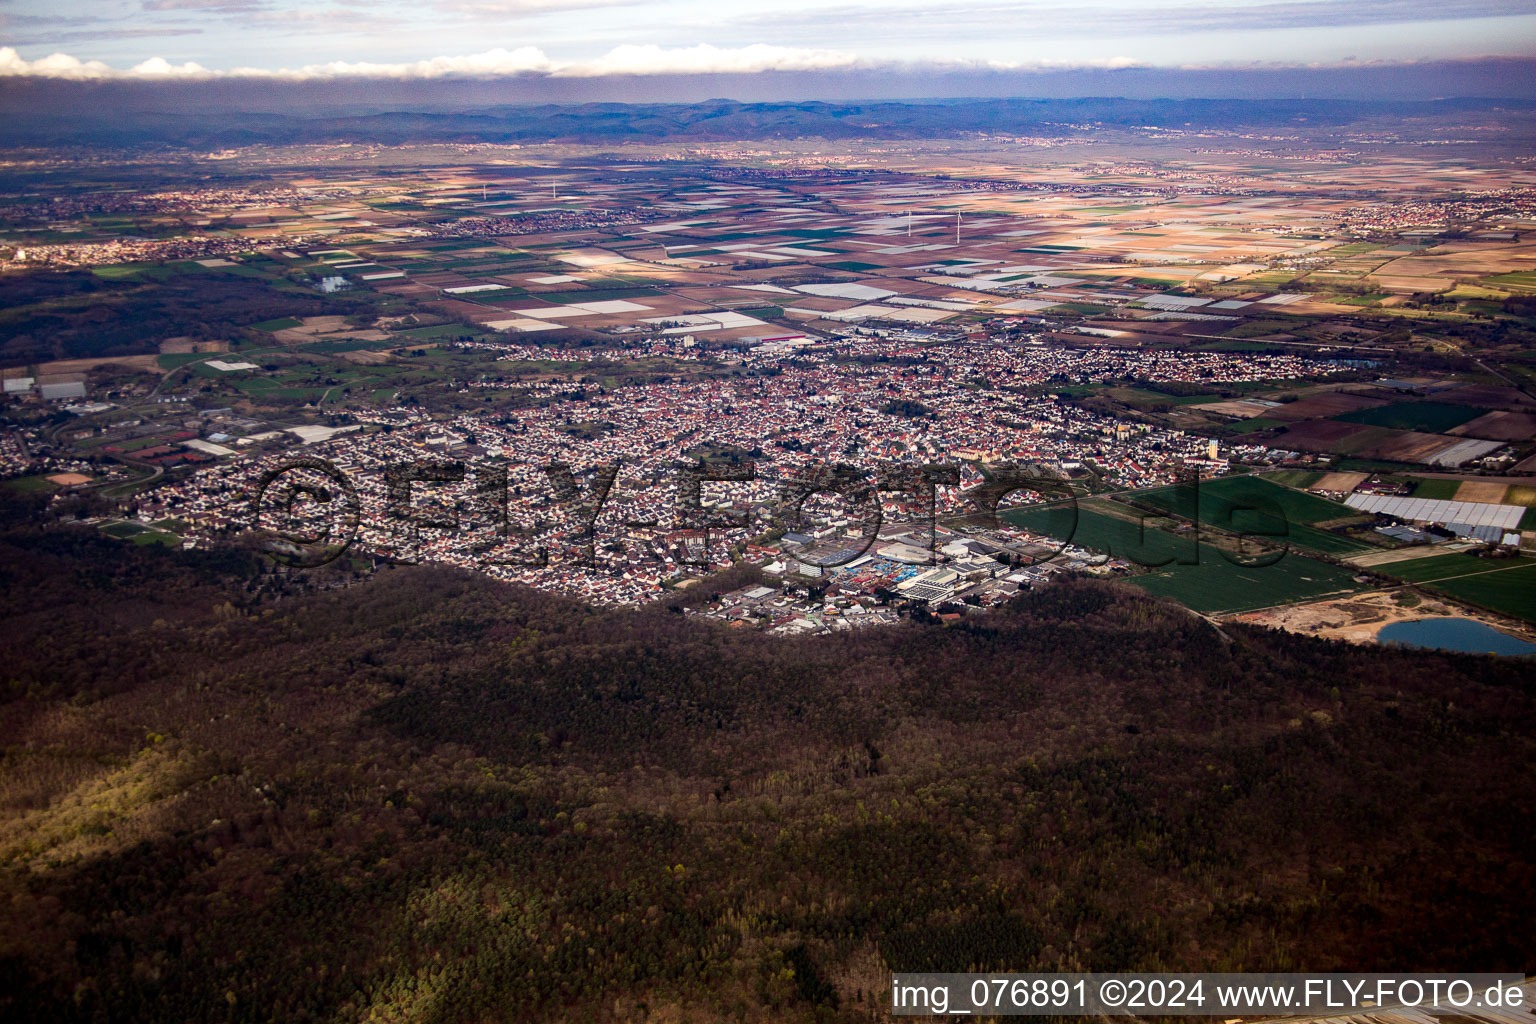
(231, 795)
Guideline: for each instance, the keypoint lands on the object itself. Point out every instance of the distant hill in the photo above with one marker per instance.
(429, 796)
(717, 120)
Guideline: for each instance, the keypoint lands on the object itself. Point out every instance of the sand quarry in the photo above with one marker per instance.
(1358, 617)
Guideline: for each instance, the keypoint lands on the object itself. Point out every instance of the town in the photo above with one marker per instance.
(616, 386)
(768, 514)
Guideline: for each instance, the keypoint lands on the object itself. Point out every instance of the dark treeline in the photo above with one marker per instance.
(74, 314)
(427, 796)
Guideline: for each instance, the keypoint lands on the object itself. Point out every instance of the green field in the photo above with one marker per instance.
(1430, 417)
(1211, 584)
(1368, 466)
(1139, 397)
(1259, 328)
(1295, 477)
(1522, 280)
(498, 295)
(280, 324)
(1250, 504)
(1438, 490)
(326, 348)
(122, 271)
(1255, 425)
(439, 331)
(31, 484)
(137, 443)
(1353, 249)
(264, 388)
(1503, 585)
(480, 265)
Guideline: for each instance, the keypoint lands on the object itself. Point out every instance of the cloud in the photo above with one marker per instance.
(159, 67)
(986, 17)
(514, 8)
(83, 35)
(490, 64)
(705, 59)
(499, 62)
(622, 61)
(57, 65)
(219, 6)
(1095, 64)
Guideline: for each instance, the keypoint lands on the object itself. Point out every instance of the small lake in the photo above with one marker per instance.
(1466, 635)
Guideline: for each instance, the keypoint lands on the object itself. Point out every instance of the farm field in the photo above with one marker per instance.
(282, 323)
(1430, 417)
(1500, 425)
(1295, 477)
(1503, 585)
(1197, 575)
(1237, 504)
(1487, 491)
(1324, 405)
(1437, 490)
(1216, 585)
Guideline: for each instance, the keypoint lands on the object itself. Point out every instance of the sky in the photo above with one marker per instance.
(790, 40)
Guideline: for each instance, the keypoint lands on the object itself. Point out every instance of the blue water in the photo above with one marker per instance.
(1453, 635)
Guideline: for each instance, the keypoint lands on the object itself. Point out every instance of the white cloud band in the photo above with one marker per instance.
(622, 60)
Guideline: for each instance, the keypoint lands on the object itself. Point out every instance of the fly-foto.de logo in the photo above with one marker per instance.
(308, 512)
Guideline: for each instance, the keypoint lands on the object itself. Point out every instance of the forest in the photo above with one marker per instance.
(232, 792)
(76, 314)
